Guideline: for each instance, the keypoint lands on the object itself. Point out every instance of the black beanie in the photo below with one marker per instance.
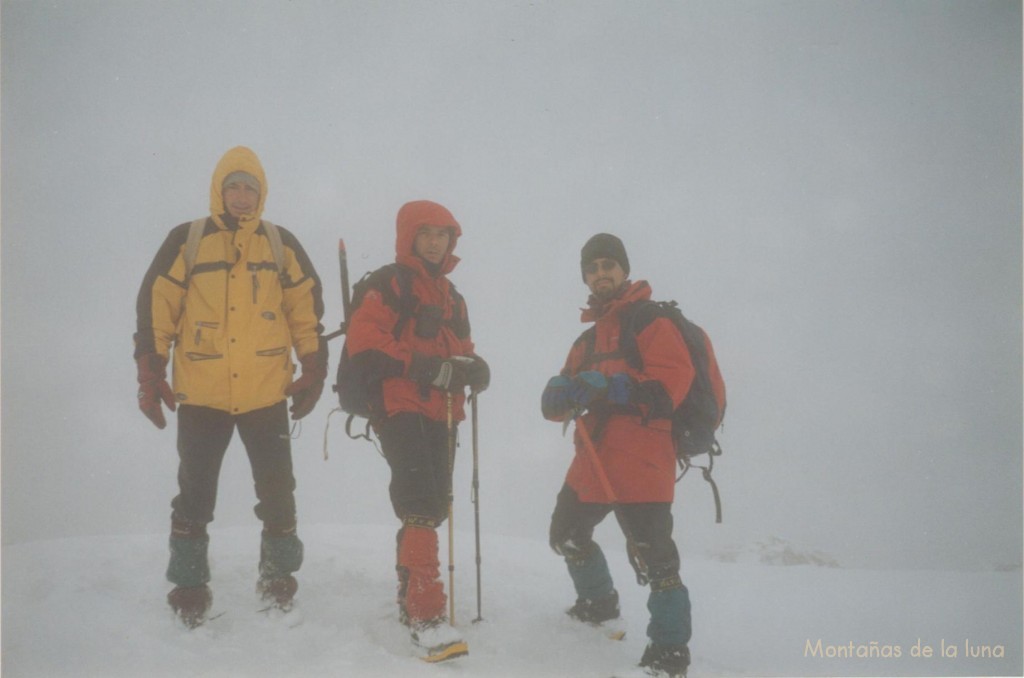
(604, 246)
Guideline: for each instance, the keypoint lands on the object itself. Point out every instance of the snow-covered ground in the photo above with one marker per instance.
(95, 607)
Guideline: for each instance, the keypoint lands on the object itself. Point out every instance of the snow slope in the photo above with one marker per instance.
(95, 607)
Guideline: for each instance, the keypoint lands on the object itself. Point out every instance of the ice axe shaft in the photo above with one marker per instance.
(636, 559)
(346, 297)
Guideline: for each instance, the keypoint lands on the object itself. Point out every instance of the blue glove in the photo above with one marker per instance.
(554, 402)
(620, 389)
(587, 387)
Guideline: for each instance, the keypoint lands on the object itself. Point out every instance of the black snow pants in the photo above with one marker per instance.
(416, 448)
(203, 437)
(648, 528)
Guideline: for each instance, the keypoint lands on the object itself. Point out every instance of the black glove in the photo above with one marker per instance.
(478, 374)
(445, 374)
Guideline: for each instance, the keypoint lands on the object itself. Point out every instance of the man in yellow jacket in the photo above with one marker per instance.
(232, 301)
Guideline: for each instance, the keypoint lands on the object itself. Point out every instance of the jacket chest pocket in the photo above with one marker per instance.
(265, 284)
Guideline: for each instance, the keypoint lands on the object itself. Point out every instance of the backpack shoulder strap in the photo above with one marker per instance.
(195, 234)
(407, 301)
(460, 321)
(276, 246)
(588, 339)
(404, 302)
(643, 313)
(634, 320)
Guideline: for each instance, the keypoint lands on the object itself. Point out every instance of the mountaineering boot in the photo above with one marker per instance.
(421, 597)
(189, 570)
(597, 600)
(440, 640)
(596, 611)
(666, 661)
(281, 554)
(190, 604)
(278, 593)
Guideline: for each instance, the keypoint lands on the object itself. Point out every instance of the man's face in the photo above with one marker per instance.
(604, 277)
(240, 199)
(432, 243)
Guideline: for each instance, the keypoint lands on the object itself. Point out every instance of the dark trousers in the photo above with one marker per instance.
(203, 437)
(648, 529)
(416, 449)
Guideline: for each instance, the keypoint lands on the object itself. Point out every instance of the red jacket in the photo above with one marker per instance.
(637, 457)
(372, 325)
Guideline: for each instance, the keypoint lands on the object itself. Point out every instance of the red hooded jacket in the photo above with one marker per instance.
(372, 325)
(637, 457)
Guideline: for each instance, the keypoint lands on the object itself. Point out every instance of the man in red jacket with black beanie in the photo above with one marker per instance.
(625, 458)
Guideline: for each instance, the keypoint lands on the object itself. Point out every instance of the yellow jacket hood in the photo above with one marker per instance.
(237, 159)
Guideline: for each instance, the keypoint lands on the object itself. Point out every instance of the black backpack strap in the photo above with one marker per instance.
(403, 302)
(406, 302)
(635, 320)
(588, 339)
(685, 465)
(459, 321)
(356, 436)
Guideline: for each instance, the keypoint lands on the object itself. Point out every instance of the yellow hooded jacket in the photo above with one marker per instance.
(234, 321)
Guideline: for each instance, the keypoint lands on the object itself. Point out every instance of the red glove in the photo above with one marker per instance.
(153, 387)
(305, 391)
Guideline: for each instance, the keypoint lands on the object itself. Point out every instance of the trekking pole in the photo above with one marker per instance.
(639, 566)
(476, 503)
(451, 527)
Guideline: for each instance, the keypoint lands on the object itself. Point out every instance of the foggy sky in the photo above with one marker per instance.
(832, 189)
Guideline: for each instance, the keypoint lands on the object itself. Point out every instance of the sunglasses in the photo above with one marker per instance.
(606, 265)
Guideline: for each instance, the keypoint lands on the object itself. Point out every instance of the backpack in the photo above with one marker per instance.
(195, 234)
(696, 419)
(358, 383)
(700, 414)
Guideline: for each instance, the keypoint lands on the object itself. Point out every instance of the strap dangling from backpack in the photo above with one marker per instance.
(685, 465)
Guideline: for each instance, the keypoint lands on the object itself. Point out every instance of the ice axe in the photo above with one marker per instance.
(346, 297)
(639, 566)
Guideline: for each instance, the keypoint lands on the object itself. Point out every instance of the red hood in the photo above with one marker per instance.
(424, 213)
(631, 291)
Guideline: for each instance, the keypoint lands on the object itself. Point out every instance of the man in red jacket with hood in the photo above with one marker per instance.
(625, 458)
(411, 334)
